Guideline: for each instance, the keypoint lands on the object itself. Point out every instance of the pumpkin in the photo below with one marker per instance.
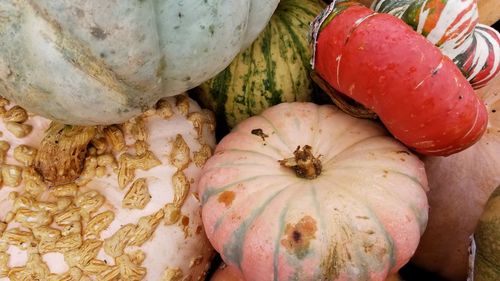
(274, 69)
(380, 62)
(130, 215)
(487, 241)
(228, 273)
(100, 62)
(460, 185)
(452, 25)
(307, 192)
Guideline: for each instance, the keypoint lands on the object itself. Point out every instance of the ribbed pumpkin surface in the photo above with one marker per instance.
(360, 219)
(94, 62)
(274, 69)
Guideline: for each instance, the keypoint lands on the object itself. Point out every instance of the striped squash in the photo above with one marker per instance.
(307, 192)
(452, 25)
(274, 69)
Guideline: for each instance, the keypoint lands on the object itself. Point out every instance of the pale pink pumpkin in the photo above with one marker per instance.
(229, 273)
(356, 214)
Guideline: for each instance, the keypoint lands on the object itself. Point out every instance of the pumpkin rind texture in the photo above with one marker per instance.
(361, 218)
(460, 185)
(274, 69)
(229, 273)
(487, 239)
(417, 92)
(100, 62)
(131, 215)
(453, 26)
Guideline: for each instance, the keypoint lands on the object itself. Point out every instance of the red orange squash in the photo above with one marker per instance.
(459, 188)
(452, 25)
(418, 93)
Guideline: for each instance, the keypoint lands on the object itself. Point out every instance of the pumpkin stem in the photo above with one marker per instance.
(303, 163)
(345, 103)
(60, 157)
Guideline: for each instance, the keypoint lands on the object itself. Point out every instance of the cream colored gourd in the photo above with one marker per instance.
(306, 192)
(460, 185)
(131, 215)
(102, 62)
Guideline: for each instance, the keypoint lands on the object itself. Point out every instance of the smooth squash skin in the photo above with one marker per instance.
(418, 93)
(487, 239)
(229, 273)
(460, 185)
(307, 192)
(489, 11)
(274, 69)
(93, 62)
(452, 25)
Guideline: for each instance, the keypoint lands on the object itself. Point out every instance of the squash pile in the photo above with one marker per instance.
(185, 140)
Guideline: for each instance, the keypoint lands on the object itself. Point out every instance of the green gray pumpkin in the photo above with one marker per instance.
(274, 69)
(100, 62)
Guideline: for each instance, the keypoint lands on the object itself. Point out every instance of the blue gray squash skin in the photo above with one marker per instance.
(90, 62)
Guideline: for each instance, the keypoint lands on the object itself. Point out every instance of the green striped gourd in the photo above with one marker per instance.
(274, 69)
(452, 25)
(487, 239)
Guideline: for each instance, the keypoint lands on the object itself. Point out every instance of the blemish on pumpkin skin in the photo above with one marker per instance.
(98, 33)
(80, 13)
(367, 247)
(199, 229)
(226, 198)
(260, 133)
(299, 236)
(185, 221)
